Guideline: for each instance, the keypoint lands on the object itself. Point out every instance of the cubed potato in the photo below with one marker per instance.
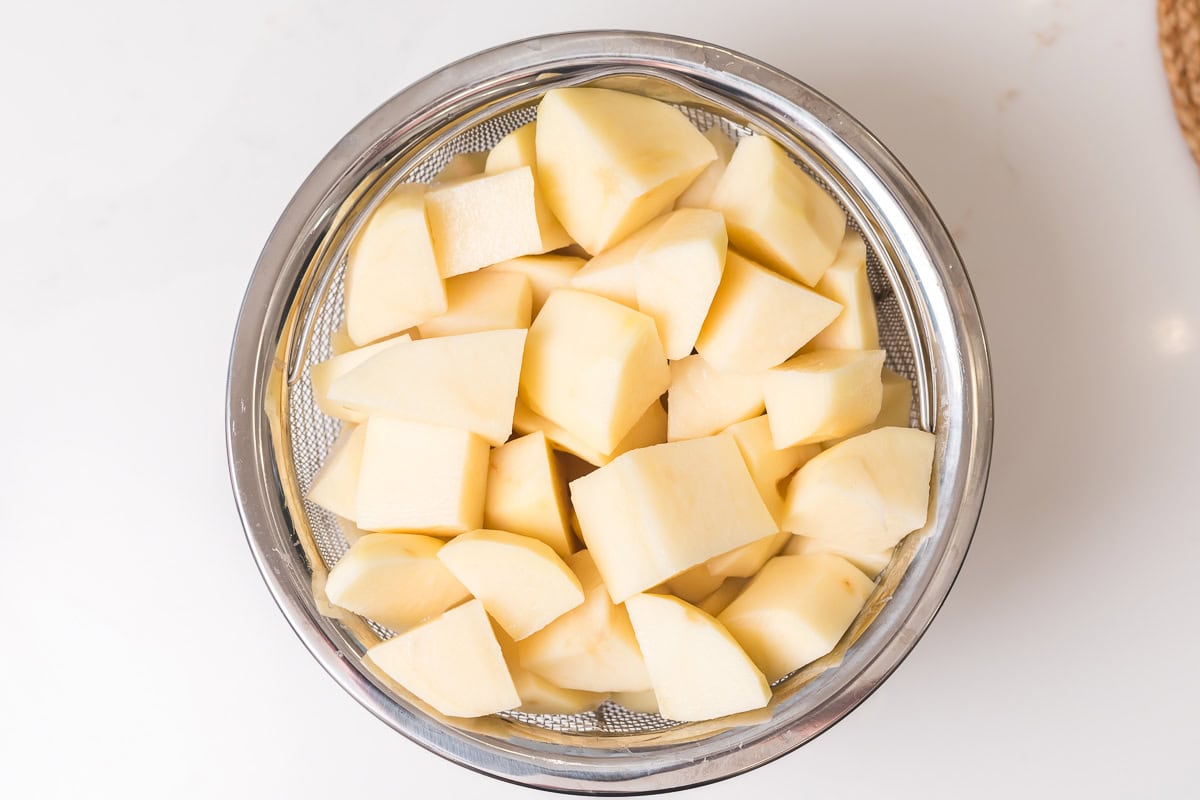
(845, 283)
(335, 487)
(482, 301)
(609, 162)
(525, 493)
(453, 663)
(350, 531)
(488, 218)
(895, 408)
(613, 273)
(641, 702)
(747, 559)
(467, 381)
(323, 374)
(769, 465)
(538, 695)
(545, 273)
(697, 669)
(392, 277)
(865, 494)
(591, 647)
(759, 319)
(699, 193)
(519, 580)
(719, 600)
(395, 579)
(655, 512)
(702, 401)
(694, 585)
(461, 165)
(593, 367)
(871, 564)
(796, 610)
(517, 149)
(340, 341)
(777, 214)
(420, 478)
(650, 429)
(823, 395)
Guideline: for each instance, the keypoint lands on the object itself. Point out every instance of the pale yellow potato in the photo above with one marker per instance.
(453, 663)
(694, 584)
(525, 493)
(823, 395)
(866, 493)
(335, 487)
(609, 162)
(697, 669)
(351, 531)
(845, 282)
(481, 220)
(650, 429)
(678, 271)
(702, 401)
(777, 214)
(395, 579)
(655, 512)
(545, 273)
(323, 374)
(641, 702)
(420, 478)
(340, 341)
(871, 563)
(719, 600)
(482, 301)
(796, 610)
(592, 647)
(461, 165)
(759, 319)
(520, 580)
(769, 465)
(517, 149)
(895, 407)
(613, 273)
(392, 276)
(593, 367)
(747, 559)
(538, 695)
(699, 193)
(467, 381)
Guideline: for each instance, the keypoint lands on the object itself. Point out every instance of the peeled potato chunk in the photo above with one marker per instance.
(335, 487)
(538, 695)
(719, 600)
(609, 162)
(516, 149)
(776, 214)
(420, 478)
(613, 273)
(747, 559)
(593, 367)
(461, 165)
(482, 301)
(699, 194)
(480, 220)
(545, 273)
(698, 670)
(323, 375)
(392, 277)
(702, 401)
(467, 381)
(694, 584)
(655, 512)
(525, 493)
(641, 702)
(453, 663)
(823, 395)
(845, 283)
(394, 579)
(871, 564)
(522, 583)
(759, 319)
(650, 429)
(340, 341)
(866, 493)
(796, 610)
(768, 464)
(895, 407)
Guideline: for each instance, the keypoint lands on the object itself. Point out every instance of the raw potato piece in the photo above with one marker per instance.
(678, 271)
(866, 493)
(479, 221)
(609, 162)
(392, 278)
(641, 702)
(613, 273)
(517, 149)
(895, 408)
(695, 584)
(546, 273)
(520, 581)
(871, 564)
(335, 488)
(703, 401)
(538, 695)
(747, 559)
(453, 663)
(650, 429)
(759, 319)
(482, 301)
(796, 610)
(700, 192)
(467, 381)
(655, 512)
(461, 165)
(420, 478)
(776, 214)
(340, 341)
(768, 465)
(525, 493)
(394, 579)
(823, 395)
(593, 367)
(845, 282)
(719, 600)
(698, 670)
(591, 647)
(323, 375)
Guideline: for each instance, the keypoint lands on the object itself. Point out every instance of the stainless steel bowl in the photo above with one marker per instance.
(277, 438)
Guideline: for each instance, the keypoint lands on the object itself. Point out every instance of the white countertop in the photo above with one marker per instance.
(148, 149)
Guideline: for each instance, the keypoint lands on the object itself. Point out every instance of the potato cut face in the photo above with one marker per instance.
(703, 401)
(323, 374)
(822, 395)
(526, 494)
(545, 273)
(482, 301)
(846, 283)
(335, 487)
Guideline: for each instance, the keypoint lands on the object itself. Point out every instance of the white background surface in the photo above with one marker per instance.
(147, 151)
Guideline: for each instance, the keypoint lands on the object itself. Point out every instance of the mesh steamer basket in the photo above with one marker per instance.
(277, 437)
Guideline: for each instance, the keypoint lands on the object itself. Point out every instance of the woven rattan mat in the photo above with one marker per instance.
(1179, 40)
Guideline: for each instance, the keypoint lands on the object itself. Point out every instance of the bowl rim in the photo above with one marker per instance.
(956, 326)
